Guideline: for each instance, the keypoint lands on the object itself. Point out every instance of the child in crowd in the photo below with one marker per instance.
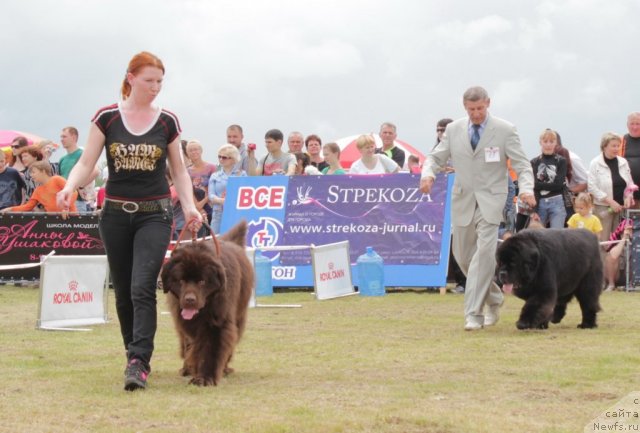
(45, 192)
(622, 233)
(12, 184)
(413, 164)
(302, 162)
(584, 218)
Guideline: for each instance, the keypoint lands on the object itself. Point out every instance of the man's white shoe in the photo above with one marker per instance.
(472, 325)
(492, 316)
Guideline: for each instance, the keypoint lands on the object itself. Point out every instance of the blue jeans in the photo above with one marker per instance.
(135, 245)
(82, 206)
(216, 218)
(551, 210)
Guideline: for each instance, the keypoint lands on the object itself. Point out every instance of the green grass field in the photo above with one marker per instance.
(399, 363)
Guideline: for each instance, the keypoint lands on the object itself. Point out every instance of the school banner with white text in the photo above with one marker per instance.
(410, 230)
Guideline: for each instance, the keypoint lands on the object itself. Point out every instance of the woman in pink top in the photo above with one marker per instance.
(200, 172)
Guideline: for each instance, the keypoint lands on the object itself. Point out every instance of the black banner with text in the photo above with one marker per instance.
(25, 237)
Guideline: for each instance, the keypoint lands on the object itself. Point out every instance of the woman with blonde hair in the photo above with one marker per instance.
(609, 183)
(370, 162)
(47, 147)
(200, 171)
(228, 156)
(139, 139)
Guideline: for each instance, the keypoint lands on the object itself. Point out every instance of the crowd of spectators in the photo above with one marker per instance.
(560, 173)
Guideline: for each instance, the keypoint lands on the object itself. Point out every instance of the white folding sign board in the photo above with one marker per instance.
(73, 291)
(332, 270)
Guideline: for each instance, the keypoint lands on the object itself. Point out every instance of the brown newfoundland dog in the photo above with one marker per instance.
(547, 268)
(208, 294)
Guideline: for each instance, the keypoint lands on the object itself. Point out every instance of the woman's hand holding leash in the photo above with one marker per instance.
(63, 201)
(195, 220)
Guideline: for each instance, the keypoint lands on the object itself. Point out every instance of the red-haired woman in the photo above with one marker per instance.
(140, 138)
(28, 156)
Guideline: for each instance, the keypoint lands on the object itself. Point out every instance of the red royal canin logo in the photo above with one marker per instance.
(332, 273)
(73, 285)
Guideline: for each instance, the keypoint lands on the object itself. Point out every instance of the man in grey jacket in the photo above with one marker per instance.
(479, 146)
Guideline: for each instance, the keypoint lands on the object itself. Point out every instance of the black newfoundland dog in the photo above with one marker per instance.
(208, 295)
(548, 267)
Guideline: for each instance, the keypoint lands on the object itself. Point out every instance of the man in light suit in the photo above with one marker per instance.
(479, 146)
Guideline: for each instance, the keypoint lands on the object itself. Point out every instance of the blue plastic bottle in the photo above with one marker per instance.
(264, 284)
(370, 274)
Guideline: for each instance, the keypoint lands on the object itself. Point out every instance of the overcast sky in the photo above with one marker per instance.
(333, 68)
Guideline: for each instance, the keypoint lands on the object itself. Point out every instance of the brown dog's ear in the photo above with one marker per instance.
(168, 270)
(237, 234)
(216, 277)
(164, 276)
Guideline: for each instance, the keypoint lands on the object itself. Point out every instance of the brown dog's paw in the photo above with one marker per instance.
(228, 371)
(184, 371)
(202, 381)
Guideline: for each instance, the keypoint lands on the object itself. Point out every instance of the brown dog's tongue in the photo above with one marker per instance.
(507, 288)
(188, 313)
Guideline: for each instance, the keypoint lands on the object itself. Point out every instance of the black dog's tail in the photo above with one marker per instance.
(237, 234)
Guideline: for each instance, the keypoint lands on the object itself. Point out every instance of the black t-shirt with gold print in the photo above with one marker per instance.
(136, 162)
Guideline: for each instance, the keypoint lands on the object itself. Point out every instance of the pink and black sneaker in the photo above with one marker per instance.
(135, 375)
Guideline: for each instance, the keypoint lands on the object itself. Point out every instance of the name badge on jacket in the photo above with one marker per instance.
(491, 154)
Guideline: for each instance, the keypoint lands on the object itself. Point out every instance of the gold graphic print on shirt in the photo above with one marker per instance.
(140, 156)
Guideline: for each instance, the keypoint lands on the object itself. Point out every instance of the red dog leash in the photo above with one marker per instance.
(194, 236)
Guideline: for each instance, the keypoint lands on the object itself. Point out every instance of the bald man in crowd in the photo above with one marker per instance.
(235, 136)
(295, 141)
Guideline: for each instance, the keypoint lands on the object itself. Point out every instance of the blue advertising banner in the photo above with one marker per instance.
(410, 230)
(386, 212)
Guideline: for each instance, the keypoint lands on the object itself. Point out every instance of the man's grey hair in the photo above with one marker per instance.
(390, 125)
(633, 114)
(474, 94)
(296, 134)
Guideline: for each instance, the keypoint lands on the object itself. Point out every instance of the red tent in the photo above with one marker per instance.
(7, 136)
(349, 152)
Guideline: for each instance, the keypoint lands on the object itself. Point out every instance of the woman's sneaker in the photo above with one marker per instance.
(135, 375)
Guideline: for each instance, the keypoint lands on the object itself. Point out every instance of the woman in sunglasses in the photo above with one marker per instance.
(228, 157)
(17, 145)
